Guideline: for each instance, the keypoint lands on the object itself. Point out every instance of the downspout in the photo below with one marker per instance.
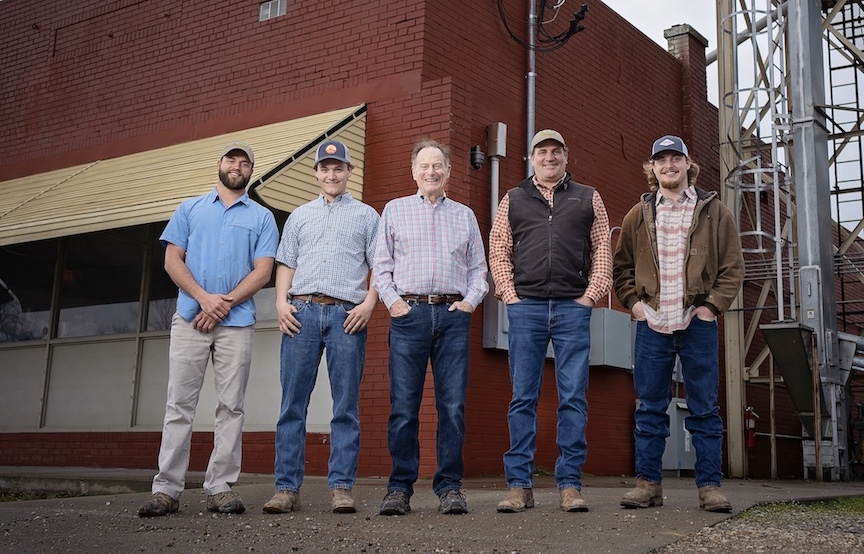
(531, 81)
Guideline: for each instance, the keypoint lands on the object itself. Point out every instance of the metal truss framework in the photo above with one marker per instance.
(791, 79)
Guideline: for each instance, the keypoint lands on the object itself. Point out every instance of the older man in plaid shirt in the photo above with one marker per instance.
(430, 271)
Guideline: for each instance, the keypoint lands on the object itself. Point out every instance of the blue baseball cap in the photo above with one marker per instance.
(333, 150)
(669, 143)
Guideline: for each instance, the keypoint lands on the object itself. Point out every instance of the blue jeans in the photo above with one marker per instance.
(654, 362)
(533, 323)
(428, 332)
(300, 357)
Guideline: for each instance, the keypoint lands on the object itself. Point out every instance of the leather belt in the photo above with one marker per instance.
(318, 299)
(432, 298)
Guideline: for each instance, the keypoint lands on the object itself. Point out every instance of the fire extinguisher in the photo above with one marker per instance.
(750, 417)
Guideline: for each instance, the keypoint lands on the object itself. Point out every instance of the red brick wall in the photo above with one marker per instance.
(140, 450)
(131, 450)
(91, 80)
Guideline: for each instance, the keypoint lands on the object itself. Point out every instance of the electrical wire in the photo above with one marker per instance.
(557, 8)
(546, 42)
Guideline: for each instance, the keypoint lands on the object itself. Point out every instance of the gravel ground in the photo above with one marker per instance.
(109, 523)
(799, 530)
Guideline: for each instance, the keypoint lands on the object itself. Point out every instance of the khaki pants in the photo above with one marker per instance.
(230, 349)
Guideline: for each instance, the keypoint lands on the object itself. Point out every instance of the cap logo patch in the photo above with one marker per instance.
(330, 149)
(667, 142)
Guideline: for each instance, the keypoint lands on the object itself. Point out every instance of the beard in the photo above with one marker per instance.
(672, 185)
(226, 180)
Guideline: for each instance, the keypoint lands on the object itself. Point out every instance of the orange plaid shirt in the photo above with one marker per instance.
(501, 249)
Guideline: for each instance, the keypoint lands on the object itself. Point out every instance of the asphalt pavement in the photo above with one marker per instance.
(105, 519)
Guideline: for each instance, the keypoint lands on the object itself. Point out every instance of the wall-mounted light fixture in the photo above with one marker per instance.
(477, 157)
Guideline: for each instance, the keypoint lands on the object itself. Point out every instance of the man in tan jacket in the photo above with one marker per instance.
(678, 266)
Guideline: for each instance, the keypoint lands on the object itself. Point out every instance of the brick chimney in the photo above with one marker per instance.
(686, 44)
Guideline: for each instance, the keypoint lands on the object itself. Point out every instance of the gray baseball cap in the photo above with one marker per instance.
(242, 146)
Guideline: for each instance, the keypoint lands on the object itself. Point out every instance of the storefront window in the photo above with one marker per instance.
(163, 291)
(26, 275)
(99, 286)
(101, 283)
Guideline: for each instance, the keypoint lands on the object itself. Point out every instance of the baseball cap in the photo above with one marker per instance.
(333, 150)
(671, 143)
(547, 134)
(242, 146)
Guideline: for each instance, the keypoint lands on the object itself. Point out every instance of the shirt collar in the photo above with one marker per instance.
(689, 192)
(214, 196)
(537, 183)
(344, 197)
(422, 198)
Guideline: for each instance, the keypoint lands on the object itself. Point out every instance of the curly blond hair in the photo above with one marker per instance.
(648, 169)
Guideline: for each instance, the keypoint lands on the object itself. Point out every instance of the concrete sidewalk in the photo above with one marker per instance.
(109, 522)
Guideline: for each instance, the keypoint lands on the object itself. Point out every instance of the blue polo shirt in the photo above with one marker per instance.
(221, 246)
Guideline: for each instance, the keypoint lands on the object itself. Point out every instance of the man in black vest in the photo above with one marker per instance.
(551, 262)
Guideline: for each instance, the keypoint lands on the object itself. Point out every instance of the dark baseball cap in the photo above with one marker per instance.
(333, 150)
(669, 143)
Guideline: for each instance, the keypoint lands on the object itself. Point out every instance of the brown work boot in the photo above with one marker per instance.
(712, 500)
(571, 500)
(160, 504)
(342, 501)
(645, 494)
(517, 500)
(282, 502)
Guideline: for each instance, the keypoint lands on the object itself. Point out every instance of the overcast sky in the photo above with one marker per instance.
(652, 18)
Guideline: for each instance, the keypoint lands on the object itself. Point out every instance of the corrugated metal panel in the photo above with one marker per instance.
(294, 185)
(147, 187)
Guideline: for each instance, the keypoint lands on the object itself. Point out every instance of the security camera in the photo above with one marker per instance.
(477, 157)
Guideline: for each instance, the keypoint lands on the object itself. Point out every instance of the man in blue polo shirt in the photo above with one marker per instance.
(219, 251)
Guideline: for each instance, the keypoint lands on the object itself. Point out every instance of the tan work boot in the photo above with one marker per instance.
(227, 502)
(712, 500)
(645, 494)
(160, 504)
(282, 502)
(517, 500)
(342, 502)
(571, 500)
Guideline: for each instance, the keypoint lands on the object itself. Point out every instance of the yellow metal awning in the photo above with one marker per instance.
(148, 186)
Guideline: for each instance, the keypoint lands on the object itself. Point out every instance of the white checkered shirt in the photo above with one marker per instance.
(331, 246)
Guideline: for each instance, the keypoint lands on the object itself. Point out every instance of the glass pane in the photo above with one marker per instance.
(265, 304)
(163, 291)
(26, 281)
(283, 4)
(264, 12)
(265, 299)
(101, 283)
